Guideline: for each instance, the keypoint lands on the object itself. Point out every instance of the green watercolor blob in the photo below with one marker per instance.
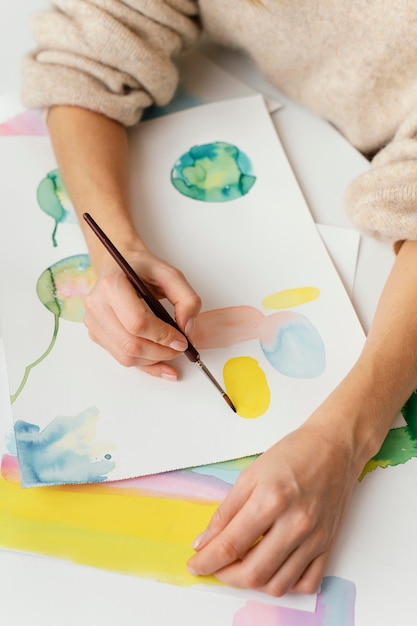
(213, 172)
(53, 199)
(400, 444)
(62, 288)
(409, 413)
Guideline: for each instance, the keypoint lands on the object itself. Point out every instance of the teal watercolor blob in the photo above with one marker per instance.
(293, 345)
(213, 172)
(63, 452)
(53, 199)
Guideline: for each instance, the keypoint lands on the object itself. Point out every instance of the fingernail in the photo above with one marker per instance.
(179, 345)
(189, 327)
(169, 376)
(199, 540)
(192, 571)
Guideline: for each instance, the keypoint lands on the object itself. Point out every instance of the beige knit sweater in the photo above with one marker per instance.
(352, 62)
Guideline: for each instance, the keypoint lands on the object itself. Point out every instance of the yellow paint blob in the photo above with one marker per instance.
(288, 298)
(246, 386)
(141, 536)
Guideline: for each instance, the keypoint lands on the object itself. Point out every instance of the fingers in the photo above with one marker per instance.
(139, 322)
(260, 547)
(228, 538)
(277, 526)
(310, 579)
(248, 512)
(277, 571)
(120, 321)
(290, 556)
(178, 291)
(274, 564)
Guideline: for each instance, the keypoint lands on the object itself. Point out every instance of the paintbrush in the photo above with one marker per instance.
(153, 303)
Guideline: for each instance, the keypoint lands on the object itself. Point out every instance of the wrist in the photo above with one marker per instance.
(121, 233)
(355, 417)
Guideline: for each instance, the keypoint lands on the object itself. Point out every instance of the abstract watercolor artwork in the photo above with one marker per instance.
(214, 172)
(375, 549)
(152, 520)
(273, 304)
(53, 199)
(61, 288)
(25, 123)
(400, 444)
(63, 452)
(335, 607)
(143, 527)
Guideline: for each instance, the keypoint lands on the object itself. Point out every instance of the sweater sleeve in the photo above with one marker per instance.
(383, 201)
(115, 57)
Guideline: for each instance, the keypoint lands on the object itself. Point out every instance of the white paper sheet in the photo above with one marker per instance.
(234, 253)
(343, 246)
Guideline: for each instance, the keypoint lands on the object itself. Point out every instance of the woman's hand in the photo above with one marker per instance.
(97, 182)
(119, 320)
(295, 495)
(275, 529)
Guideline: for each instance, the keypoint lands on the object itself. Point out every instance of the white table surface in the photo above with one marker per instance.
(40, 591)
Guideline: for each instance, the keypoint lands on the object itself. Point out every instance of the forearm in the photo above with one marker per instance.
(390, 353)
(92, 154)
(366, 402)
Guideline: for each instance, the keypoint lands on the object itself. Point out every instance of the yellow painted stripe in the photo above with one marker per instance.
(143, 536)
(288, 298)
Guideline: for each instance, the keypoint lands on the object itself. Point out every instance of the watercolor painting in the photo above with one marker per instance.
(288, 340)
(151, 534)
(152, 519)
(271, 311)
(61, 288)
(53, 199)
(45, 521)
(64, 452)
(335, 607)
(214, 172)
(141, 527)
(26, 123)
(400, 444)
